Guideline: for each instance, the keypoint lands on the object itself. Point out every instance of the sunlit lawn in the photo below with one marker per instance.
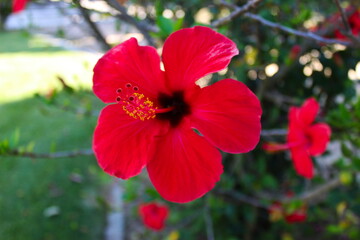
(47, 198)
(30, 65)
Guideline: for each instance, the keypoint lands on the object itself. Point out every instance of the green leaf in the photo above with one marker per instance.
(178, 23)
(334, 229)
(159, 7)
(356, 163)
(269, 181)
(166, 26)
(346, 150)
(14, 139)
(4, 146)
(30, 146)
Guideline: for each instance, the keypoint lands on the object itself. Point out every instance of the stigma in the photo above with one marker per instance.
(136, 104)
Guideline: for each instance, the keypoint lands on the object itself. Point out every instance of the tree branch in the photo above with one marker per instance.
(124, 16)
(237, 12)
(239, 198)
(309, 197)
(307, 35)
(208, 222)
(316, 193)
(70, 154)
(274, 132)
(96, 31)
(343, 16)
(348, 31)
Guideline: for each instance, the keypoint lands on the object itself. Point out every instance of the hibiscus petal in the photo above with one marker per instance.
(128, 63)
(121, 143)
(302, 162)
(228, 114)
(308, 111)
(192, 53)
(18, 5)
(297, 136)
(320, 136)
(293, 116)
(154, 215)
(185, 167)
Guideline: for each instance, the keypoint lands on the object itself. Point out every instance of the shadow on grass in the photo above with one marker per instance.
(50, 198)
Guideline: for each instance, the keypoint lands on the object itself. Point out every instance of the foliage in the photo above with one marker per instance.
(45, 198)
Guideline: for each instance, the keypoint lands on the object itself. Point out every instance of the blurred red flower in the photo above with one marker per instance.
(152, 123)
(297, 216)
(277, 211)
(18, 5)
(294, 52)
(306, 139)
(354, 23)
(153, 215)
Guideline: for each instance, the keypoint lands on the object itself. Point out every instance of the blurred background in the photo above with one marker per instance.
(50, 184)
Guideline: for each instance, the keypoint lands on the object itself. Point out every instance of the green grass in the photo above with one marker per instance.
(47, 198)
(36, 67)
(22, 41)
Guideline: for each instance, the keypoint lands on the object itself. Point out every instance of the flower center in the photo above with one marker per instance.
(179, 107)
(136, 105)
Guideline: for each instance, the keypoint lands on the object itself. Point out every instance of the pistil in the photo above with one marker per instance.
(136, 105)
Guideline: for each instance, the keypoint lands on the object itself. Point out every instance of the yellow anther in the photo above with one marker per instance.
(137, 106)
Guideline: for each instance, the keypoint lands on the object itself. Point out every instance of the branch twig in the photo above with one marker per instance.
(316, 193)
(124, 15)
(274, 132)
(348, 31)
(70, 154)
(343, 16)
(208, 222)
(307, 35)
(238, 11)
(239, 198)
(96, 31)
(308, 197)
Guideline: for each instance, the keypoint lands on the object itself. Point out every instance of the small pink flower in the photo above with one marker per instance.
(153, 215)
(154, 112)
(18, 5)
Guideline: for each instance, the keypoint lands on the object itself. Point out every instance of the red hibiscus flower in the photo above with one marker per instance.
(153, 215)
(18, 5)
(304, 138)
(277, 211)
(155, 111)
(297, 216)
(354, 23)
(294, 52)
